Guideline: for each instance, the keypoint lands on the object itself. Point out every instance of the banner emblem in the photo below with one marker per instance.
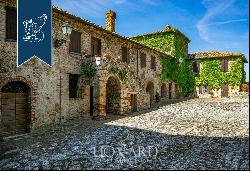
(34, 30)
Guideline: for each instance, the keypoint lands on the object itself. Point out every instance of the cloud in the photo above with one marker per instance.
(214, 9)
(226, 22)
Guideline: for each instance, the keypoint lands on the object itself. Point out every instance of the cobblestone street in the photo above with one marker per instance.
(193, 134)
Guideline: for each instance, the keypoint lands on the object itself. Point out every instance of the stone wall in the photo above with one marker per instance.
(50, 102)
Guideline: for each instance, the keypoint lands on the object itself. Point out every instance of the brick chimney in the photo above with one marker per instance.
(110, 20)
(168, 27)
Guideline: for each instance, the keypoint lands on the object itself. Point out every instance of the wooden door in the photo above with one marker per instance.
(14, 107)
(224, 91)
(169, 90)
(91, 100)
(133, 102)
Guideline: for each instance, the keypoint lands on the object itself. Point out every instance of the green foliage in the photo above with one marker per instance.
(89, 70)
(212, 75)
(157, 97)
(113, 70)
(172, 41)
(181, 74)
(121, 73)
(237, 75)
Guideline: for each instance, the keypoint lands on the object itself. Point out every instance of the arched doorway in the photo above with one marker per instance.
(150, 90)
(113, 96)
(164, 90)
(15, 108)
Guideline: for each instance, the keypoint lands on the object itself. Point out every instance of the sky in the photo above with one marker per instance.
(221, 25)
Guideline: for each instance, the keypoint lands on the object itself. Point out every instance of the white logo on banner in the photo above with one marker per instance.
(33, 28)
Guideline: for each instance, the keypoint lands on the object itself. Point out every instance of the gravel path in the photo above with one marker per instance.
(194, 134)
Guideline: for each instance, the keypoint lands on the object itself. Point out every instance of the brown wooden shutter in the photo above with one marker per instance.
(95, 46)
(75, 42)
(153, 63)
(11, 23)
(225, 65)
(98, 47)
(222, 65)
(195, 69)
(143, 60)
(198, 65)
(128, 57)
(124, 54)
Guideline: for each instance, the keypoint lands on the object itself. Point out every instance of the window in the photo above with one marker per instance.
(125, 55)
(153, 63)
(75, 42)
(73, 85)
(196, 67)
(143, 60)
(95, 47)
(224, 65)
(11, 23)
(204, 89)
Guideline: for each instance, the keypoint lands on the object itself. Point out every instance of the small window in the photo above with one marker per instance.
(11, 23)
(204, 89)
(75, 42)
(143, 60)
(95, 47)
(224, 65)
(73, 85)
(125, 55)
(196, 67)
(153, 63)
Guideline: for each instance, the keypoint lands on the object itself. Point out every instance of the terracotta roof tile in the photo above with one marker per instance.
(215, 54)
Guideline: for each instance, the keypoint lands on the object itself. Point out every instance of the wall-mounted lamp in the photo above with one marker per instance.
(98, 60)
(66, 29)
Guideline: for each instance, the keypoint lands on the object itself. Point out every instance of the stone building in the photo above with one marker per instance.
(125, 72)
(224, 68)
(34, 94)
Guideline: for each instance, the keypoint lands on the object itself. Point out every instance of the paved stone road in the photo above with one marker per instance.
(194, 134)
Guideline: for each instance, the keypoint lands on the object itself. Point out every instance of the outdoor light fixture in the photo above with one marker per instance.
(66, 29)
(98, 60)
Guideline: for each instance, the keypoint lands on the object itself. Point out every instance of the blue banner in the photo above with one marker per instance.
(34, 30)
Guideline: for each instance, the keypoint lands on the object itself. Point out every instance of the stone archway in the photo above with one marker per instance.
(15, 108)
(150, 90)
(113, 96)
